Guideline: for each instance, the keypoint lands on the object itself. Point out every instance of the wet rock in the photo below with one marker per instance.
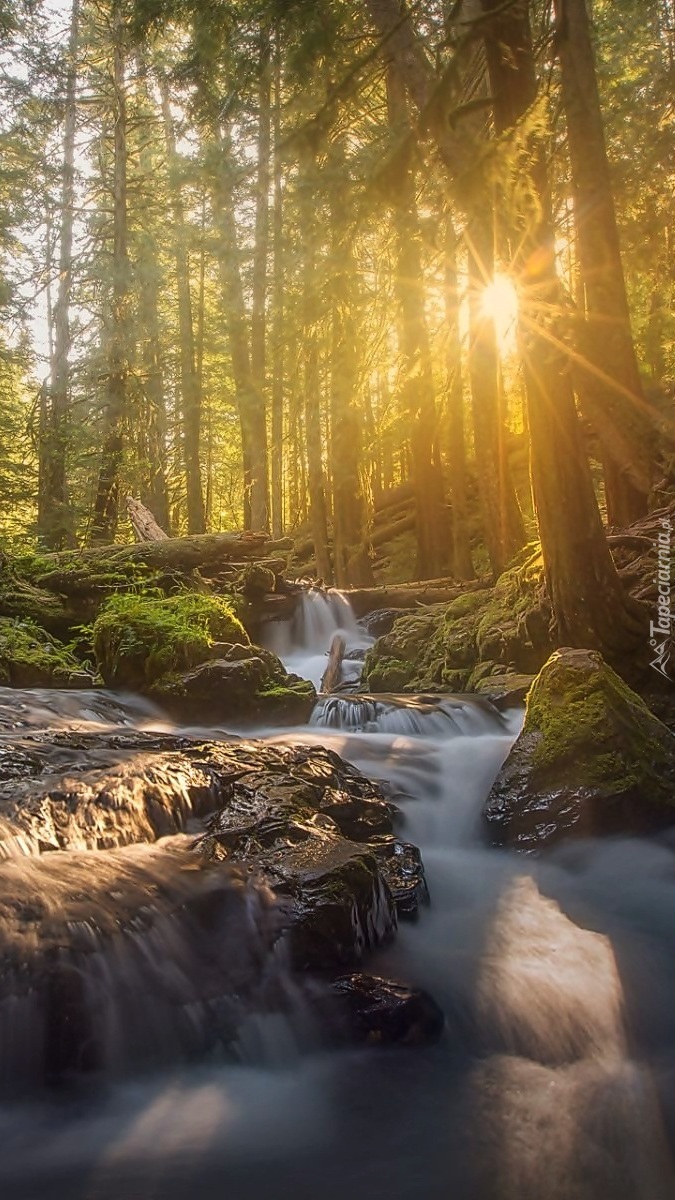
(381, 1012)
(337, 905)
(280, 859)
(241, 685)
(402, 868)
(126, 960)
(592, 759)
(381, 622)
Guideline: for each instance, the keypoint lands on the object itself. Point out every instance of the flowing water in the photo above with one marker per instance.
(555, 1079)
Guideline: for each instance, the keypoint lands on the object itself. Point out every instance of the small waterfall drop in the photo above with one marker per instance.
(303, 643)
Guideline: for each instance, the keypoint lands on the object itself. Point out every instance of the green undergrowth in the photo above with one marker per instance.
(138, 639)
(31, 657)
(489, 632)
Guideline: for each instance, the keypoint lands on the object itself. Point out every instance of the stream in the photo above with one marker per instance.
(554, 1079)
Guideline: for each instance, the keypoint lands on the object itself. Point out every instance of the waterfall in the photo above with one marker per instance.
(303, 643)
(424, 716)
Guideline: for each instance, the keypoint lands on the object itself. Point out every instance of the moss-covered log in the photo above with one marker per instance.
(174, 554)
(408, 595)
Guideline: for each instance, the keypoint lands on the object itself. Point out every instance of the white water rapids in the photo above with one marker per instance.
(555, 1079)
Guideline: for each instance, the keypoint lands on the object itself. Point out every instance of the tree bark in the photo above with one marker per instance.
(106, 504)
(191, 392)
(311, 313)
(277, 415)
(350, 542)
(613, 393)
(250, 401)
(461, 549)
(589, 603)
(56, 523)
(502, 520)
(417, 383)
(153, 432)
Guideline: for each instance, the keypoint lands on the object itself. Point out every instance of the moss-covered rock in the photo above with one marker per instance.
(245, 682)
(30, 657)
(455, 647)
(514, 624)
(591, 759)
(433, 649)
(192, 654)
(140, 639)
(257, 580)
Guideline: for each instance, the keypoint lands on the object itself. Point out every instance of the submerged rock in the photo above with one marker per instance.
(380, 1012)
(591, 759)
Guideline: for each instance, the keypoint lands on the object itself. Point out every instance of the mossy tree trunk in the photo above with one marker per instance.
(613, 393)
(590, 606)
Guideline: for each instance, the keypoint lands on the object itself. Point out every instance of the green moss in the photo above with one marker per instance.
(30, 657)
(464, 605)
(514, 627)
(140, 639)
(386, 674)
(586, 716)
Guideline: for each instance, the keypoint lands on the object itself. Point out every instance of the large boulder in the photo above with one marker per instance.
(480, 634)
(591, 759)
(256, 871)
(192, 654)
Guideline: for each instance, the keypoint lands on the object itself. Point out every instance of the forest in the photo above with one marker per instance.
(282, 267)
(337, 499)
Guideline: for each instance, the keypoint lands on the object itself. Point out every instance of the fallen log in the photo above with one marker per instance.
(333, 673)
(384, 516)
(410, 595)
(388, 532)
(403, 491)
(171, 554)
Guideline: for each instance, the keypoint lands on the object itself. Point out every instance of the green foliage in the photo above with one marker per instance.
(138, 639)
(29, 657)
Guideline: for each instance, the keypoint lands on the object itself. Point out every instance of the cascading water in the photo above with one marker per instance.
(303, 643)
(556, 1076)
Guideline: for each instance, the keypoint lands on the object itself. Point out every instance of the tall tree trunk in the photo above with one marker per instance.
(250, 401)
(590, 606)
(150, 277)
(613, 393)
(417, 382)
(502, 520)
(262, 220)
(277, 422)
(311, 313)
(350, 543)
(191, 393)
(106, 503)
(56, 521)
(462, 562)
